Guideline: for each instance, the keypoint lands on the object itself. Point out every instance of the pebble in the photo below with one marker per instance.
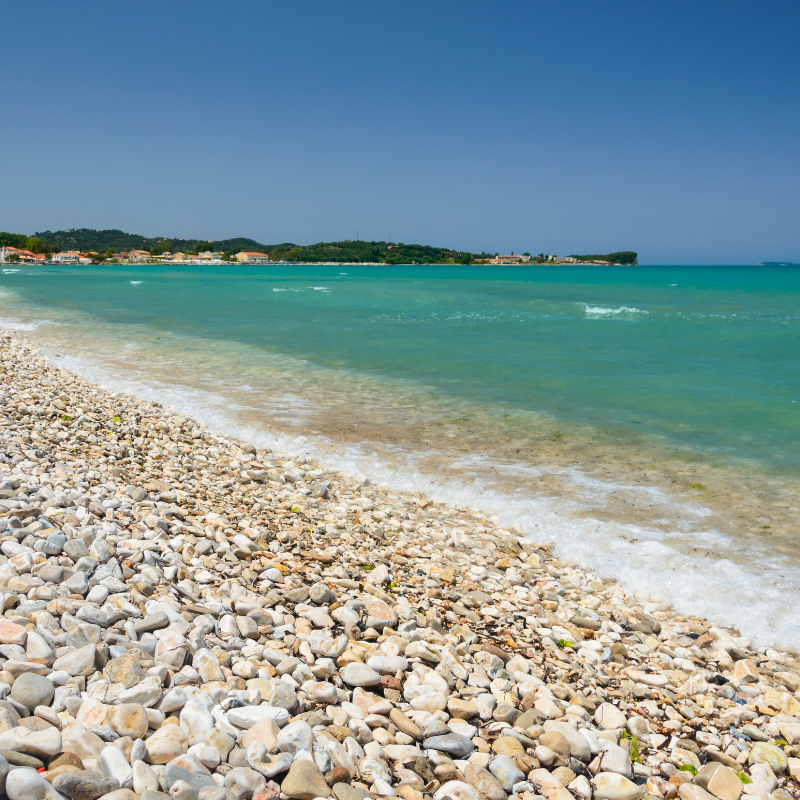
(84, 785)
(25, 784)
(304, 781)
(32, 690)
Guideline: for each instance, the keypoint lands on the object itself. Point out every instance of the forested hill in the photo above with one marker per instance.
(381, 252)
(109, 242)
(623, 257)
(86, 239)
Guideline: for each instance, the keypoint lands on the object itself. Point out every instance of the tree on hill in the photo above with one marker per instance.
(623, 257)
(22, 242)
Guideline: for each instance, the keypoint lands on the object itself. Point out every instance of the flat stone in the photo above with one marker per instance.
(388, 665)
(166, 743)
(266, 732)
(197, 780)
(461, 709)
(380, 615)
(508, 746)
(358, 674)
(11, 633)
(451, 743)
(25, 784)
(343, 791)
(611, 786)
(720, 781)
(483, 780)
(458, 790)
(247, 716)
(127, 794)
(304, 781)
(506, 771)
(152, 622)
(21, 759)
(125, 670)
(85, 785)
(78, 662)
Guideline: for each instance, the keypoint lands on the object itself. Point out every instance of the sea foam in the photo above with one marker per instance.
(757, 599)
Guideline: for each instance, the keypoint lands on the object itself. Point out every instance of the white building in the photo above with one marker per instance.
(252, 258)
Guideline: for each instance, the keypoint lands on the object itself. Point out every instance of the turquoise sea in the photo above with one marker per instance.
(645, 419)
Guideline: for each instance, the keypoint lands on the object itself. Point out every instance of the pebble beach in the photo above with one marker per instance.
(188, 616)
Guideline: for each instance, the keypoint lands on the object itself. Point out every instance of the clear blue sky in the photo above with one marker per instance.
(667, 128)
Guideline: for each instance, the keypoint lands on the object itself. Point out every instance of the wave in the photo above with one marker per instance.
(16, 325)
(136, 283)
(602, 311)
(646, 560)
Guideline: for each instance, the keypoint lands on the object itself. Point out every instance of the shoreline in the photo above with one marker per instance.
(220, 568)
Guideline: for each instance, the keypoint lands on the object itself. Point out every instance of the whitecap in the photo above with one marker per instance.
(135, 283)
(602, 311)
(16, 325)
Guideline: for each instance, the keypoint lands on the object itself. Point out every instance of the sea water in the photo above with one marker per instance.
(646, 420)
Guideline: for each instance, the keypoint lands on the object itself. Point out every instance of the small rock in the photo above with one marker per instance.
(304, 781)
(32, 690)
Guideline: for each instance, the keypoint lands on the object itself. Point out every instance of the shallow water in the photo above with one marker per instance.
(644, 419)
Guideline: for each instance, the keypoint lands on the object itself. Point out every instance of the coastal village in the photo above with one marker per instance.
(14, 254)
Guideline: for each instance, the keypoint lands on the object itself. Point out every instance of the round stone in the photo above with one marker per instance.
(761, 753)
(31, 690)
(609, 717)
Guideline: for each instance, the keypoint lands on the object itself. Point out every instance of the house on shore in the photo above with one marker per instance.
(70, 257)
(512, 259)
(22, 256)
(252, 258)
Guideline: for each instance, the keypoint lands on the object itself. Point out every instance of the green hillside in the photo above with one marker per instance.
(109, 242)
(623, 257)
(86, 239)
(381, 252)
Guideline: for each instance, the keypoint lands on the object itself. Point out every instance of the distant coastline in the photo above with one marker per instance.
(89, 246)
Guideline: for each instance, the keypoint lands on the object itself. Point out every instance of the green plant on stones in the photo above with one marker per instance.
(565, 643)
(743, 777)
(368, 566)
(634, 754)
(688, 768)
(66, 418)
(116, 419)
